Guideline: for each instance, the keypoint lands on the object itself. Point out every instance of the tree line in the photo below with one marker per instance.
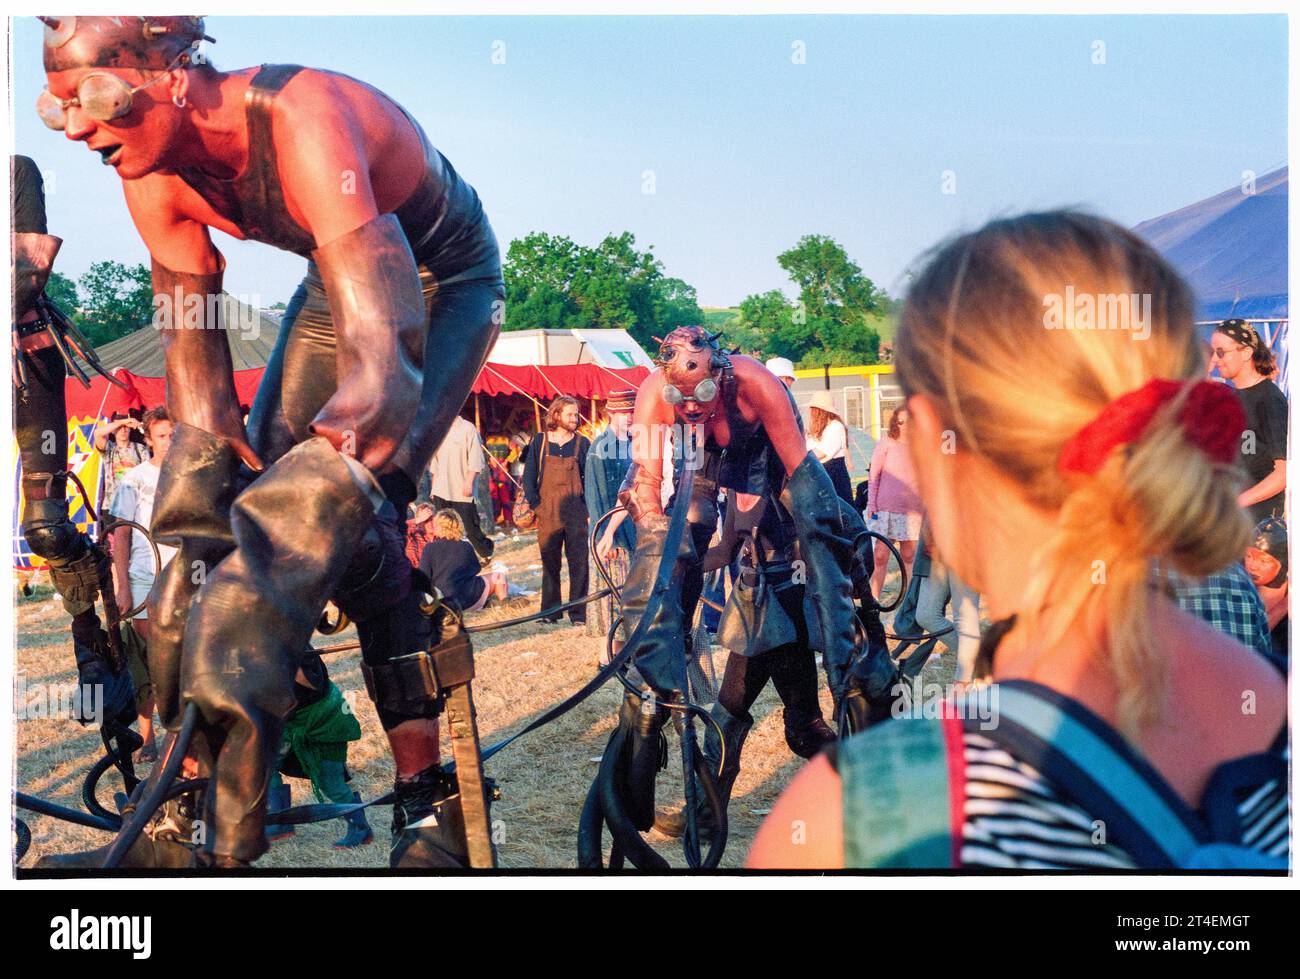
(555, 283)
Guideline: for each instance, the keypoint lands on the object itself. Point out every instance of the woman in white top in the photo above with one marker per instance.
(828, 439)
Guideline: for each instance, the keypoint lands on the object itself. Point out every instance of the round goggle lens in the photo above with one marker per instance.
(48, 108)
(104, 97)
(704, 392)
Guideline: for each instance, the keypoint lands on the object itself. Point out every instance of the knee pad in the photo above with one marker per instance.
(396, 664)
(379, 576)
(50, 533)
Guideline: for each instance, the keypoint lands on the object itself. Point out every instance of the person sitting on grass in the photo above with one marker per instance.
(452, 567)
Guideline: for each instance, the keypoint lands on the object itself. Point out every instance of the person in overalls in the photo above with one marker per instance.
(553, 484)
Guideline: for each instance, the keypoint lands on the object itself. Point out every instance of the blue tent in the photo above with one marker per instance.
(1232, 248)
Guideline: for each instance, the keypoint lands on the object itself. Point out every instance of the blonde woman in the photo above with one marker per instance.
(453, 568)
(828, 440)
(1056, 463)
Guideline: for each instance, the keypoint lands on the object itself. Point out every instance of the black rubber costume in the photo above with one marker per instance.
(42, 341)
(377, 351)
(770, 630)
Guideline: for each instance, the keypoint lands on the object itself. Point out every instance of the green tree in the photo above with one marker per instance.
(62, 291)
(115, 300)
(554, 283)
(837, 318)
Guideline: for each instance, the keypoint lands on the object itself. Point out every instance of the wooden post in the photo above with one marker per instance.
(478, 417)
(537, 414)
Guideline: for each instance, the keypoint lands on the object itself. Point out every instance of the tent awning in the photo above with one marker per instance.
(1231, 248)
(584, 381)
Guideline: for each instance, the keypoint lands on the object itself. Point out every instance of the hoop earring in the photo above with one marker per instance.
(178, 101)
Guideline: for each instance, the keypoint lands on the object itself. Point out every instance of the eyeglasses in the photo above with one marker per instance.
(704, 392)
(104, 97)
(1217, 354)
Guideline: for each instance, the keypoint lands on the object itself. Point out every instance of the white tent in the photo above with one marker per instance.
(542, 348)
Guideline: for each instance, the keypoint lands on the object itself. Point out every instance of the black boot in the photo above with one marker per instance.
(296, 528)
(428, 827)
(723, 755)
(166, 843)
(359, 832)
(806, 735)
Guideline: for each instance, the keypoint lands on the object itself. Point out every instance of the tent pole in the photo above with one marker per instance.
(478, 418)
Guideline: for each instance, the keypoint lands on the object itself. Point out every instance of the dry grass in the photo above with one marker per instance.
(521, 671)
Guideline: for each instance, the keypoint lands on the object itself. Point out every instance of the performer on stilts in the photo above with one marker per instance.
(748, 439)
(43, 341)
(310, 502)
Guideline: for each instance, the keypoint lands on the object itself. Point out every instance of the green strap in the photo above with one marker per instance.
(897, 806)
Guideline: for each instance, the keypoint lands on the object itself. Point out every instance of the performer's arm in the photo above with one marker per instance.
(366, 265)
(187, 276)
(642, 487)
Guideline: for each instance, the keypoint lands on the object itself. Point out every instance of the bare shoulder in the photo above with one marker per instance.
(805, 829)
(1227, 696)
(747, 368)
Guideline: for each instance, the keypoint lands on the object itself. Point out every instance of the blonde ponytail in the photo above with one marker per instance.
(1016, 388)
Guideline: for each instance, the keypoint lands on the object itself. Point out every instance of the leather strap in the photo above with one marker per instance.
(263, 192)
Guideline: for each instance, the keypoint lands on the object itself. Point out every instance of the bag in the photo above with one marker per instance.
(902, 797)
(524, 516)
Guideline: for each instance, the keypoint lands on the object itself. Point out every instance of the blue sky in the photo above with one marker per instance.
(750, 151)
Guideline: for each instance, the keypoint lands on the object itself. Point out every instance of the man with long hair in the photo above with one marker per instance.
(1244, 360)
(553, 485)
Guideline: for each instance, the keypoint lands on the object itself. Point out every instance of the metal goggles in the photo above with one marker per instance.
(103, 96)
(704, 392)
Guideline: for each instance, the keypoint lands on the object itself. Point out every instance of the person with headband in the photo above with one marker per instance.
(741, 431)
(1269, 568)
(1243, 359)
(1051, 488)
(309, 503)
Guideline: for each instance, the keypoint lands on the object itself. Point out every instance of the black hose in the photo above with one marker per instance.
(902, 571)
(45, 808)
(591, 832)
(158, 785)
(113, 524)
(88, 796)
(595, 558)
(544, 613)
(24, 841)
(626, 836)
(713, 799)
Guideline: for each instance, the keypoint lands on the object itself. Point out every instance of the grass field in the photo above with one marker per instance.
(521, 671)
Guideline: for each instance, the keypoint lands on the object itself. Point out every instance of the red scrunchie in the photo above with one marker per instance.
(1212, 419)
